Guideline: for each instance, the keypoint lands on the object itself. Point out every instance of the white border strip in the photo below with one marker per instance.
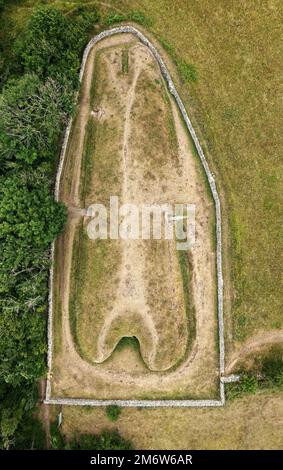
(144, 403)
(134, 403)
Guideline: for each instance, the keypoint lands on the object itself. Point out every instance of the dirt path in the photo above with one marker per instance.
(94, 3)
(127, 129)
(257, 343)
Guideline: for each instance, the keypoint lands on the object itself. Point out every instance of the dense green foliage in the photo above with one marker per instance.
(29, 435)
(107, 440)
(32, 114)
(30, 220)
(16, 403)
(113, 412)
(51, 44)
(186, 270)
(36, 100)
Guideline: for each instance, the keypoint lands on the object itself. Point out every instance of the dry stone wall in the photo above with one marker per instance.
(211, 181)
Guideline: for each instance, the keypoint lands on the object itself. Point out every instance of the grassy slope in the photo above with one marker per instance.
(94, 264)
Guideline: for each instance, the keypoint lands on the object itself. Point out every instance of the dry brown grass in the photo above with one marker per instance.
(248, 423)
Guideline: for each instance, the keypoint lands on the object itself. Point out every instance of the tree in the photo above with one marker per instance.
(22, 345)
(32, 115)
(30, 434)
(30, 220)
(16, 403)
(52, 43)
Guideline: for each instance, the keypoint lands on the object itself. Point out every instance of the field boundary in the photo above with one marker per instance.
(144, 403)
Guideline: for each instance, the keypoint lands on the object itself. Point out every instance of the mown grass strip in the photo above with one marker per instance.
(186, 268)
(87, 160)
(79, 258)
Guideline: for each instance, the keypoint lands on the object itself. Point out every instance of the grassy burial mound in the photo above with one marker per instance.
(135, 305)
(132, 288)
